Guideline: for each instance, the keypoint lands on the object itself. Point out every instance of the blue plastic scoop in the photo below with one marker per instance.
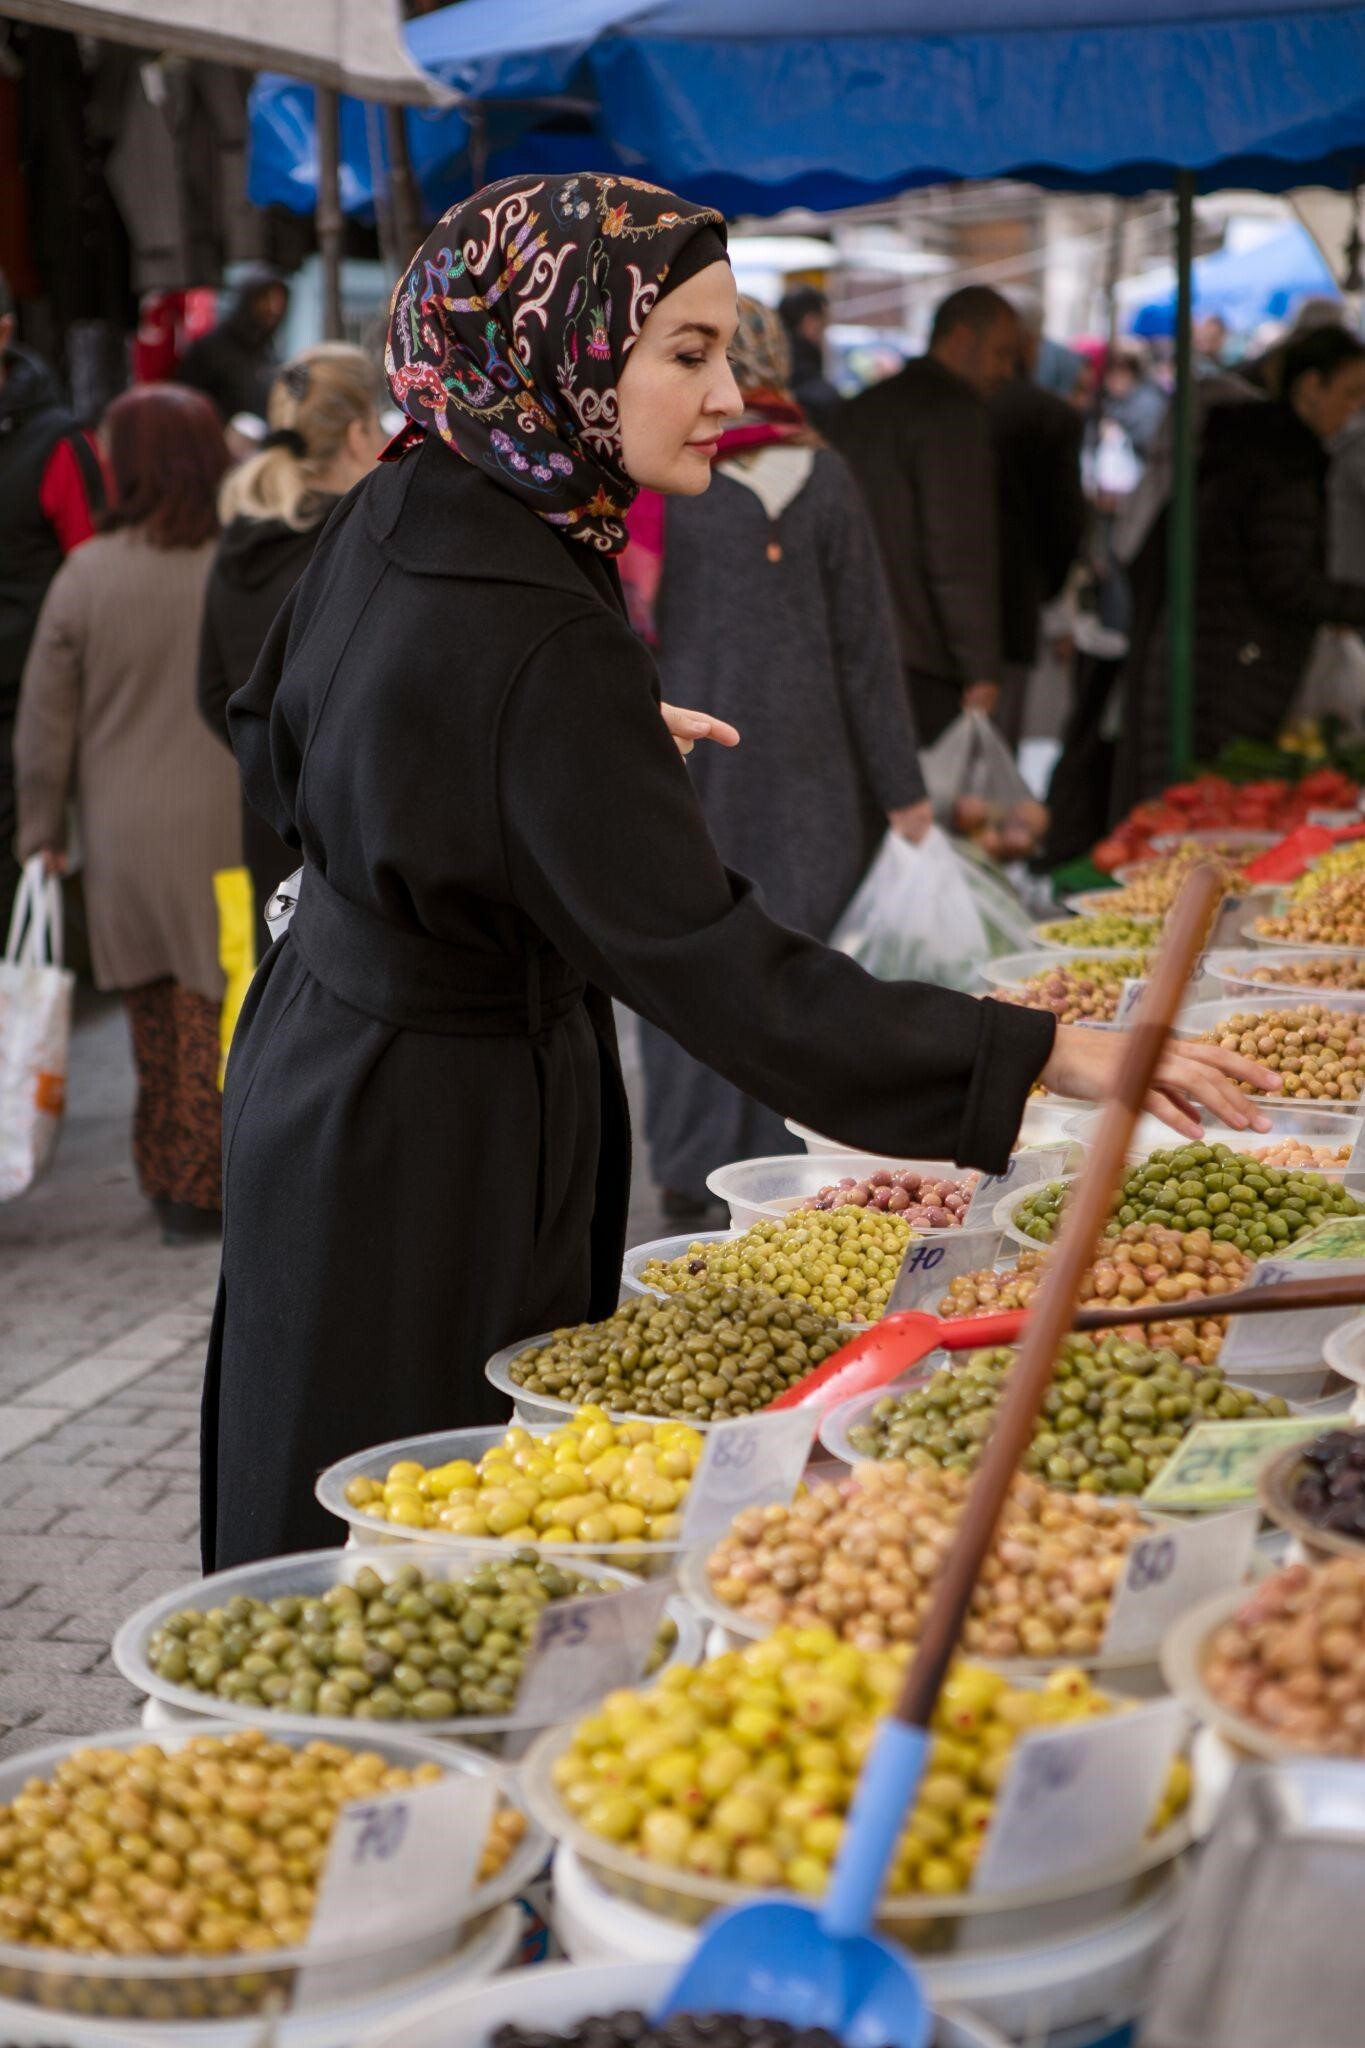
(821, 1966)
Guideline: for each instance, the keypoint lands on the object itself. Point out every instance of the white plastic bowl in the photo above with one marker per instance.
(759, 1189)
(1344, 1350)
(665, 1248)
(557, 1996)
(1234, 971)
(1314, 1125)
(182, 1988)
(310, 1575)
(1203, 1017)
(1016, 970)
(367, 1532)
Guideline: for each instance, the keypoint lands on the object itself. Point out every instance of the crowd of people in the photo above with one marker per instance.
(862, 570)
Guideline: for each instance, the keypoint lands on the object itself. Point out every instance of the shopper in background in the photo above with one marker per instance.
(1037, 439)
(107, 716)
(920, 445)
(324, 437)
(772, 609)
(1263, 586)
(235, 365)
(804, 313)
(51, 488)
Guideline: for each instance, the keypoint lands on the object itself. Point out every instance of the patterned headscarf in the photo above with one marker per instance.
(760, 354)
(511, 326)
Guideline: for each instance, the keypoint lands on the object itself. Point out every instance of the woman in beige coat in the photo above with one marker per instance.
(107, 716)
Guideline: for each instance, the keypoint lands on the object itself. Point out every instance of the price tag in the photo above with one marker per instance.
(1078, 1796)
(399, 1873)
(930, 1263)
(1173, 1568)
(1130, 997)
(584, 1648)
(1295, 1337)
(747, 1462)
(1037, 1163)
(1230, 925)
(1341, 1240)
(1218, 1463)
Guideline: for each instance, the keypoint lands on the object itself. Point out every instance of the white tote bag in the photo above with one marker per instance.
(35, 1031)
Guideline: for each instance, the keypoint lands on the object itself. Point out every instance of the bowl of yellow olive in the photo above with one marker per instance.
(176, 1879)
(593, 1489)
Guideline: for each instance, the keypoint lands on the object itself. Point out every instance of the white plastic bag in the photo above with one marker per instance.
(972, 758)
(35, 1031)
(912, 917)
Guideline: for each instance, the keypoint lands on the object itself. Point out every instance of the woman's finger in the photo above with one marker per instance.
(697, 725)
(1175, 1110)
(1214, 1085)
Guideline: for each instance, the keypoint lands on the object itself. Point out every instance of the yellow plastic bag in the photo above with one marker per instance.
(236, 949)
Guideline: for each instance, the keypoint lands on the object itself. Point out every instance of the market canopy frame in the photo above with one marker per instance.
(756, 105)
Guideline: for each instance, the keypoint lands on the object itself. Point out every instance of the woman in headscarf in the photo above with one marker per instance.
(769, 604)
(426, 1153)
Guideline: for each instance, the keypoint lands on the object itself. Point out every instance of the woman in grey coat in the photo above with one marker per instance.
(766, 602)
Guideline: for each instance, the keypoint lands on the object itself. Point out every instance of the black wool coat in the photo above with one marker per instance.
(426, 1151)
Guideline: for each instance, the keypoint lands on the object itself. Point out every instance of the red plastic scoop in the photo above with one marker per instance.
(899, 1343)
(1290, 856)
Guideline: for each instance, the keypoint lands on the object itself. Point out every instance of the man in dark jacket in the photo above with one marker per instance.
(920, 445)
(1037, 440)
(50, 492)
(234, 365)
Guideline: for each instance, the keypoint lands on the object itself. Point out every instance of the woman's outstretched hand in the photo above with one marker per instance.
(687, 727)
(1085, 1062)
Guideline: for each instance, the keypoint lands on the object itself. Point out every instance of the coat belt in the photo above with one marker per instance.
(420, 983)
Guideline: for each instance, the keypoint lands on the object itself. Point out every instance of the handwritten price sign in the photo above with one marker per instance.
(1078, 1796)
(584, 1648)
(754, 1459)
(399, 1875)
(1219, 1462)
(1173, 1569)
(931, 1263)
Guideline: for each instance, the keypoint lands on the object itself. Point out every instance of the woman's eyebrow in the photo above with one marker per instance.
(702, 327)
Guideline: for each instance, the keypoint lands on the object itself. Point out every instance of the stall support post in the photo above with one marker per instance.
(329, 221)
(1181, 562)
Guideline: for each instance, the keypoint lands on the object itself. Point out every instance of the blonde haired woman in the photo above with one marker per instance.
(324, 437)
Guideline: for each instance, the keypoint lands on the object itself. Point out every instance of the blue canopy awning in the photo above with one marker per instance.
(759, 104)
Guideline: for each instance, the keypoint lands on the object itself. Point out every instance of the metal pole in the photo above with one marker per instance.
(329, 221)
(407, 210)
(1181, 562)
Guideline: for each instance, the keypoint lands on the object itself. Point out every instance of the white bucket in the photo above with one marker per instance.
(560, 1994)
(1031, 1994)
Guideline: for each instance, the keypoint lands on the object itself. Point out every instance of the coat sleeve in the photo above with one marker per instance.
(608, 853)
(863, 636)
(1281, 526)
(213, 685)
(955, 486)
(49, 710)
(269, 754)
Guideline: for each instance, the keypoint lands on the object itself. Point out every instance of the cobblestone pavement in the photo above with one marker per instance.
(102, 1334)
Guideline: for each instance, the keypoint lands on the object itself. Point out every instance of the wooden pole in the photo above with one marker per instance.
(329, 220)
(407, 209)
(1053, 1308)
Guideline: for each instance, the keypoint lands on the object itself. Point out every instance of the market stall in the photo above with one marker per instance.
(582, 1682)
